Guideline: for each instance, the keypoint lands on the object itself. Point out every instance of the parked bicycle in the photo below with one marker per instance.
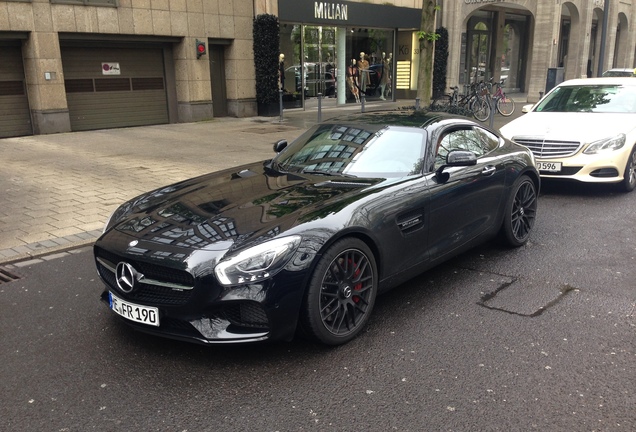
(504, 104)
(474, 103)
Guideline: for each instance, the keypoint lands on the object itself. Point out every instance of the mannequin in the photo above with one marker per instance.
(384, 79)
(281, 72)
(388, 68)
(363, 69)
(352, 79)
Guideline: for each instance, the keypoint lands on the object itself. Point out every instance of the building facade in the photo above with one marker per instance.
(70, 65)
(535, 43)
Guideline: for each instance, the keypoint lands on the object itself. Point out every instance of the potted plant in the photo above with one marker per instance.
(266, 49)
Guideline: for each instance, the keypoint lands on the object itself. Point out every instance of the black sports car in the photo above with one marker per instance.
(306, 241)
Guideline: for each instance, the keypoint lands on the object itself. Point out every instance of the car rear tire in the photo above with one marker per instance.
(629, 178)
(341, 293)
(521, 210)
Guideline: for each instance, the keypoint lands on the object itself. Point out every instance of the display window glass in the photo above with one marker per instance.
(343, 65)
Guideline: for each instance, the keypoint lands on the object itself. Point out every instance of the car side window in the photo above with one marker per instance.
(476, 140)
(489, 139)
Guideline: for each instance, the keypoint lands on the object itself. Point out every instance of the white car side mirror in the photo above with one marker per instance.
(527, 108)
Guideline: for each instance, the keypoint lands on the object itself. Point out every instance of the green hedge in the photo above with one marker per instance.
(266, 48)
(440, 64)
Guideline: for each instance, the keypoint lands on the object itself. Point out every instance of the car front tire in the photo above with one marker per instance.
(521, 211)
(341, 293)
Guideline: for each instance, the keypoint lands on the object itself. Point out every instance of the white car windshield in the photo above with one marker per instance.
(610, 98)
(359, 151)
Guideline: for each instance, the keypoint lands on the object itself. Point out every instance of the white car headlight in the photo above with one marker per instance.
(606, 145)
(257, 263)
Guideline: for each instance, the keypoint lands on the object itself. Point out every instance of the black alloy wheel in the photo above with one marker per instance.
(629, 178)
(521, 211)
(341, 293)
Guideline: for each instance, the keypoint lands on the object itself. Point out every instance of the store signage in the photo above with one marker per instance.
(111, 69)
(348, 14)
(331, 11)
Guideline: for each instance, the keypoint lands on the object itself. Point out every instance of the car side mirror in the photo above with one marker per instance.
(461, 158)
(455, 158)
(527, 108)
(280, 146)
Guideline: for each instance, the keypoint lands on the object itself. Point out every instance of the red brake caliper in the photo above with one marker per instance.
(358, 286)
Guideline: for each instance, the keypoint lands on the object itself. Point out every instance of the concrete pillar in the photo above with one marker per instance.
(45, 83)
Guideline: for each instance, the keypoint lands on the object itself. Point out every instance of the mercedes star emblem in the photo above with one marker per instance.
(126, 277)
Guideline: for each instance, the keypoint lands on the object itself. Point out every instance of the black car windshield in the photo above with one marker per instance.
(371, 151)
(609, 98)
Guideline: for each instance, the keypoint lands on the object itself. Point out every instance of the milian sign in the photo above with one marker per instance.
(331, 11)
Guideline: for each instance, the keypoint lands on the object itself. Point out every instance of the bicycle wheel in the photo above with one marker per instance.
(442, 103)
(505, 106)
(481, 109)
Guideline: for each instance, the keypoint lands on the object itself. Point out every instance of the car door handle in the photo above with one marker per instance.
(488, 171)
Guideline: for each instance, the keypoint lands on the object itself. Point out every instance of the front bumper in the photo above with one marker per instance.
(207, 313)
(589, 168)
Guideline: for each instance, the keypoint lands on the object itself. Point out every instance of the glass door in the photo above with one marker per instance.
(319, 66)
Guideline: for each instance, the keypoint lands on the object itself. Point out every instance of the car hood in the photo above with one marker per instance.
(234, 208)
(582, 127)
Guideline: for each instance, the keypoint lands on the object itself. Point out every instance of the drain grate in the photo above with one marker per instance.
(7, 276)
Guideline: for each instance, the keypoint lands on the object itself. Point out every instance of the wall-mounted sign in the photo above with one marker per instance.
(111, 69)
(331, 11)
(349, 13)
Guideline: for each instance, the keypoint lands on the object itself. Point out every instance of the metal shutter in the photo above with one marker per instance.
(15, 116)
(134, 97)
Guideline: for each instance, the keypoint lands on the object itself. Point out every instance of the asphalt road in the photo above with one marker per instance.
(536, 338)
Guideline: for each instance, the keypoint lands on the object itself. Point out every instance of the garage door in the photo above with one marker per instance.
(114, 87)
(15, 117)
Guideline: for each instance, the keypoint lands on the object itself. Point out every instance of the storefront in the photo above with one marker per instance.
(350, 52)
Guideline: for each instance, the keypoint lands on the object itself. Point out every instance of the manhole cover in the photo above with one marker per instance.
(525, 299)
(7, 276)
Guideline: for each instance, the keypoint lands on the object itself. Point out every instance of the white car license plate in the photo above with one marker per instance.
(549, 166)
(134, 312)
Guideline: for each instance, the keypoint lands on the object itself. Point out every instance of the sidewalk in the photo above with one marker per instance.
(58, 190)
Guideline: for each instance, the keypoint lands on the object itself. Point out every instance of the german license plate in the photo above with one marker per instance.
(549, 166)
(134, 312)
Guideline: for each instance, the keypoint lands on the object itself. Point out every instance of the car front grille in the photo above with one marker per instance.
(542, 148)
(147, 292)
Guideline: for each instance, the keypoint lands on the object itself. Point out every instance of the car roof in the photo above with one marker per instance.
(599, 81)
(410, 118)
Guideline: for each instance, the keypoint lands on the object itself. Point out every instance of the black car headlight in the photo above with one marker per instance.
(257, 263)
(121, 211)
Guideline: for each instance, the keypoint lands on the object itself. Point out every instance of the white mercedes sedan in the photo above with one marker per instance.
(585, 130)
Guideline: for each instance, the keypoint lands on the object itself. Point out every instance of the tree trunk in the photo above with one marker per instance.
(427, 49)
